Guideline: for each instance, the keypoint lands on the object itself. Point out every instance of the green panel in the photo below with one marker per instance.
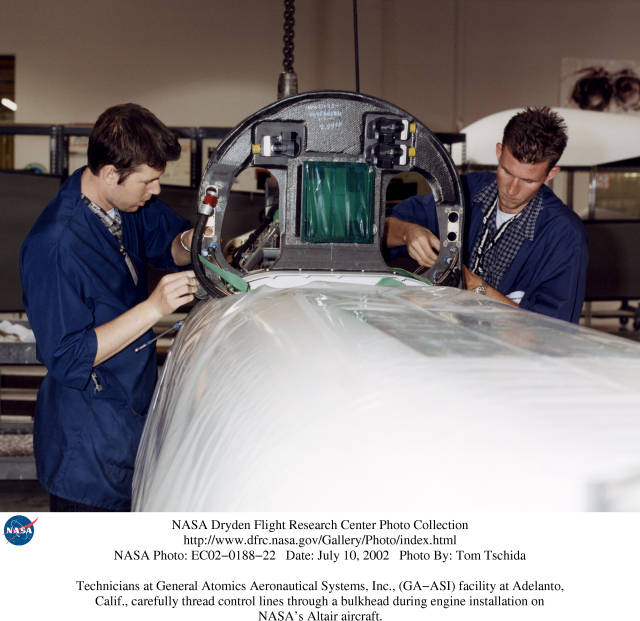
(337, 205)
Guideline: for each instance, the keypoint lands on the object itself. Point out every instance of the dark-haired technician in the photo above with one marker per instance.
(83, 268)
(524, 247)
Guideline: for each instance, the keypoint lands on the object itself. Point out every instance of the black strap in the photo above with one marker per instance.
(477, 267)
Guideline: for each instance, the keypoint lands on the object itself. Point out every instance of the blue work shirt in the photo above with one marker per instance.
(88, 421)
(550, 269)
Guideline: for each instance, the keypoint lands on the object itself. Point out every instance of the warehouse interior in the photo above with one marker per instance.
(202, 67)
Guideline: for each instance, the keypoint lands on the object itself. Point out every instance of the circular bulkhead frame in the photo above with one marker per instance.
(332, 154)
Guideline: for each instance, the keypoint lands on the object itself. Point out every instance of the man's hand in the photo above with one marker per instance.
(422, 245)
(173, 291)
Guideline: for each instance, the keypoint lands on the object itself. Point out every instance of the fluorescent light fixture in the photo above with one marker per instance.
(8, 103)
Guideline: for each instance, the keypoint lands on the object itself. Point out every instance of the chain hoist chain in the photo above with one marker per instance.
(289, 21)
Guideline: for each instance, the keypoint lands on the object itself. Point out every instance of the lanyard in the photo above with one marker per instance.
(477, 266)
(114, 226)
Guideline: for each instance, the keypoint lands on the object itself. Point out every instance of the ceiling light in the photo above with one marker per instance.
(8, 103)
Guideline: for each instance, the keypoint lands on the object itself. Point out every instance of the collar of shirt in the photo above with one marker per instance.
(111, 219)
(494, 250)
(526, 223)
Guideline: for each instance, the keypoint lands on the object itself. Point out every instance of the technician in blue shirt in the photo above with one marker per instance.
(524, 247)
(83, 269)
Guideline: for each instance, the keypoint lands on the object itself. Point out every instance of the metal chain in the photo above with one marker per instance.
(289, 21)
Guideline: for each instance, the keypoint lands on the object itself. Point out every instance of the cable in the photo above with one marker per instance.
(355, 43)
(198, 268)
(267, 220)
(289, 21)
(288, 80)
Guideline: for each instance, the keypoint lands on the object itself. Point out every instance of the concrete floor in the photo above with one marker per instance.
(23, 496)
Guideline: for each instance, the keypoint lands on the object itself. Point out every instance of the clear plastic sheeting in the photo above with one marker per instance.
(339, 396)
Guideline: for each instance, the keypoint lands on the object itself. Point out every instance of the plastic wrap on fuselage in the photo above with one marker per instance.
(332, 396)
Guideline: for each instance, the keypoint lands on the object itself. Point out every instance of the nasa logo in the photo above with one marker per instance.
(19, 530)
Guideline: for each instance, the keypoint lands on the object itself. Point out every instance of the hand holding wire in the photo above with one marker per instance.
(173, 291)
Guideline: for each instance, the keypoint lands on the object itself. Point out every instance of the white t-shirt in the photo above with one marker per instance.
(501, 218)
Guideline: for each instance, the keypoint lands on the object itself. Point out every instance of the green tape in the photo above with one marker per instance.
(402, 272)
(237, 282)
(389, 281)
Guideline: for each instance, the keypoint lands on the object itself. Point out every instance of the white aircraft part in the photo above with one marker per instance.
(332, 396)
(594, 137)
